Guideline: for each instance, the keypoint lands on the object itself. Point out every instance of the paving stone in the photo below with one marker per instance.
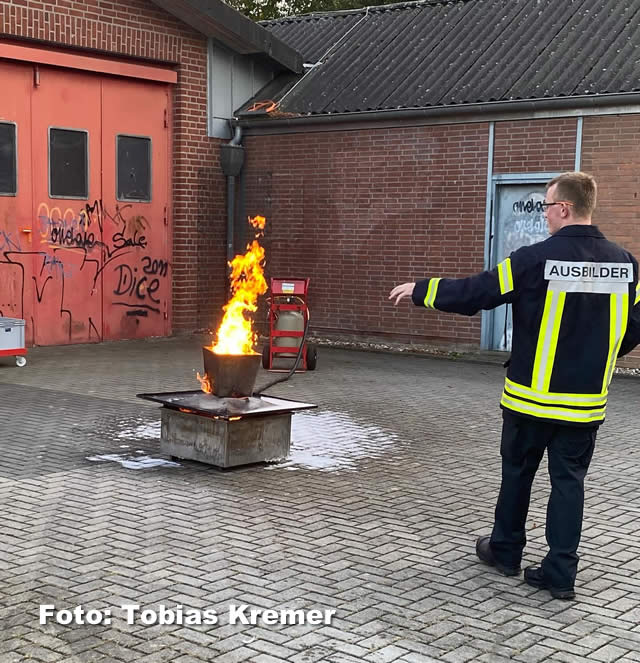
(312, 655)
(265, 658)
(238, 655)
(384, 655)
(12, 657)
(272, 649)
(346, 648)
(609, 653)
(534, 654)
(40, 653)
(419, 647)
(375, 513)
(492, 658)
(412, 657)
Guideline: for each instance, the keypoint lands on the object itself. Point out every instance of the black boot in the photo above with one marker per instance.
(534, 576)
(485, 554)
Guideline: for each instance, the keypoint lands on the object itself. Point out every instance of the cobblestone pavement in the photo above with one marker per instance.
(374, 515)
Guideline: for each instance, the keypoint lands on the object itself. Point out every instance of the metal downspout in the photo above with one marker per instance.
(486, 332)
(231, 198)
(231, 161)
(579, 127)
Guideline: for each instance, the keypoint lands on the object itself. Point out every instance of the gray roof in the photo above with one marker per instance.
(214, 18)
(438, 54)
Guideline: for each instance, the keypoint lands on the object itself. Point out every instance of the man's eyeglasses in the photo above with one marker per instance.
(545, 206)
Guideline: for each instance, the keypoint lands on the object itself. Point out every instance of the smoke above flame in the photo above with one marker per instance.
(235, 336)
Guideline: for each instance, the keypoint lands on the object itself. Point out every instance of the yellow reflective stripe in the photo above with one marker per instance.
(618, 319)
(637, 294)
(505, 276)
(547, 340)
(558, 413)
(432, 291)
(509, 274)
(554, 398)
(613, 322)
(554, 339)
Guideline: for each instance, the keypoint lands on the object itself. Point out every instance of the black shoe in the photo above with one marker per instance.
(485, 554)
(534, 576)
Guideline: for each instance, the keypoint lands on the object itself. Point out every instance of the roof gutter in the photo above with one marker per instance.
(484, 111)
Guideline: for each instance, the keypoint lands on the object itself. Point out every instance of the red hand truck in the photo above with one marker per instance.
(288, 320)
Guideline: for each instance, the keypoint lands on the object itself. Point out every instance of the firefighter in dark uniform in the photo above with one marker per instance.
(576, 309)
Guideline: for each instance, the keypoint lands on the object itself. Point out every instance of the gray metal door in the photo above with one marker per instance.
(518, 221)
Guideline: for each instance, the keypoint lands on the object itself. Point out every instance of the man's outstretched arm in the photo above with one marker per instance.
(468, 295)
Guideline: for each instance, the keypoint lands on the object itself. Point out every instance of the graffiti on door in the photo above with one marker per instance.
(524, 223)
(8, 242)
(79, 253)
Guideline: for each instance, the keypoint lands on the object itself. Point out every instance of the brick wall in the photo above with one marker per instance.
(360, 211)
(138, 28)
(610, 152)
(535, 146)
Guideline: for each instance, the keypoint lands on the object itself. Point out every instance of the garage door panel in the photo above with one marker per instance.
(136, 283)
(66, 169)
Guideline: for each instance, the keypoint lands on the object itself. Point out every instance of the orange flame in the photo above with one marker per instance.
(235, 335)
(205, 383)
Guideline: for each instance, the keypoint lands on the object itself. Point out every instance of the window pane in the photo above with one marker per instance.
(68, 162)
(8, 179)
(134, 168)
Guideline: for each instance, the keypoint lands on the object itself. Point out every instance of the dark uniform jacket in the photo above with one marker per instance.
(576, 308)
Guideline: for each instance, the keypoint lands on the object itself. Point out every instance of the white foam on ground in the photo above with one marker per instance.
(137, 463)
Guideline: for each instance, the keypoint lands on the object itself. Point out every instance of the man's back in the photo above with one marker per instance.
(572, 297)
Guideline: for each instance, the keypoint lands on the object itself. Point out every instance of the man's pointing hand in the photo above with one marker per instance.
(401, 291)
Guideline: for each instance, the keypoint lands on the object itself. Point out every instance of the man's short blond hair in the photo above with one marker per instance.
(577, 188)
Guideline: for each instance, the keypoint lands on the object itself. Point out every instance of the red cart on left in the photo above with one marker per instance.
(12, 340)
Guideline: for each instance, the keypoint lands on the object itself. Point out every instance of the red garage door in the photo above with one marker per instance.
(84, 224)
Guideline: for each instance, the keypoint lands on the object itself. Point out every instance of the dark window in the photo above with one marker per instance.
(8, 179)
(134, 168)
(68, 163)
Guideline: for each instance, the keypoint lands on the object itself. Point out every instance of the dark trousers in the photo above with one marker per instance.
(569, 451)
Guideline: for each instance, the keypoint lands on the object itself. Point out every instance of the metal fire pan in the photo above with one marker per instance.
(231, 375)
(198, 402)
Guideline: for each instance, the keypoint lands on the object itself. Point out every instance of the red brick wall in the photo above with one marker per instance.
(535, 146)
(139, 28)
(360, 211)
(610, 151)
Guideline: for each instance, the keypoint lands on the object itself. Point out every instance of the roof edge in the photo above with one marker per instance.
(358, 10)
(492, 107)
(214, 18)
